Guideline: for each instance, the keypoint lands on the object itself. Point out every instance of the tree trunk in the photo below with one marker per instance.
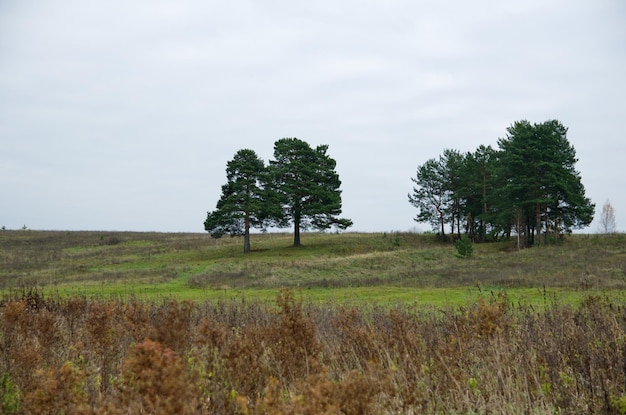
(246, 236)
(481, 234)
(452, 225)
(482, 217)
(296, 229)
(458, 218)
(246, 242)
(557, 231)
(538, 224)
(443, 232)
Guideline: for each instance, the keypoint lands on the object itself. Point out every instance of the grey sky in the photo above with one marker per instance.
(122, 115)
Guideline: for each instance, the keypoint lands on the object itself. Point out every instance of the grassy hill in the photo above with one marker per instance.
(350, 266)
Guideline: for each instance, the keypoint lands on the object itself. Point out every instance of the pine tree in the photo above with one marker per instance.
(306, 186)
(540, 179)
(244, 201)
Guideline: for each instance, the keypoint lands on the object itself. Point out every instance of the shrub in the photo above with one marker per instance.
(154, 380)
(58, 391)
(10, 395)
(464, 247)
(355, 394)
(112, 240)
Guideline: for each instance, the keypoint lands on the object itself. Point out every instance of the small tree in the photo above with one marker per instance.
(431, 195)
(607, 219)
(518, 223)
(464, 246)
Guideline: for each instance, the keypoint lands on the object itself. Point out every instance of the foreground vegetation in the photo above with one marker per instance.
(80, 356)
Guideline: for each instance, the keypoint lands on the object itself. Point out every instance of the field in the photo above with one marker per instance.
(112, 323)
(347, 267)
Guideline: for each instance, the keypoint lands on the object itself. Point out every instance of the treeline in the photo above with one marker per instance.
(528, 186)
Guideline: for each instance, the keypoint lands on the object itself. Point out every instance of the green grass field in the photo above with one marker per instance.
(347, 268)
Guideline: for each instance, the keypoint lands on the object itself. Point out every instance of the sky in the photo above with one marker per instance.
(122, 115)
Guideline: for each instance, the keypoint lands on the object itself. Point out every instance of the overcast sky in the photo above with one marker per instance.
(122, 115)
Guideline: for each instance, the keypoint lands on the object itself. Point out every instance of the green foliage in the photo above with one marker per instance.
(619, 403)
(300, 187)
(473, 385)
(244, 201)
(538, 164)
(464, 246)
(529, 186)
(306, 186)
(431, 195)
(10, 395)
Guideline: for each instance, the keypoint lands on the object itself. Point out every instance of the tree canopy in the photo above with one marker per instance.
(529, 185)
(431, 196)
(244, 199)
(306, 187)
(300, 187)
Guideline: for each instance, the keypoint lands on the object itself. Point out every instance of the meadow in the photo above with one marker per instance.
(348, 267)
(116, 323)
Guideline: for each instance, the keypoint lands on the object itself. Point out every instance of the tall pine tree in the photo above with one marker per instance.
(243, 203)
(542, 183)
(307, 187)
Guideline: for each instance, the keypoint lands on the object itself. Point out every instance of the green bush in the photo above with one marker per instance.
(464, 247)
(9, 395)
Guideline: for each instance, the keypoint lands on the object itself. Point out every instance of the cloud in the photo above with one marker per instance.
(123, 114)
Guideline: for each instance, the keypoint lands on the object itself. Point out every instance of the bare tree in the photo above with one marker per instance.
(607, 219)
(518, 221)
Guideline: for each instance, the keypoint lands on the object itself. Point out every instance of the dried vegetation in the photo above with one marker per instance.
(80, 356)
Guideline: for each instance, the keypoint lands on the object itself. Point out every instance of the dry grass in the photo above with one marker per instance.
(73, 355)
